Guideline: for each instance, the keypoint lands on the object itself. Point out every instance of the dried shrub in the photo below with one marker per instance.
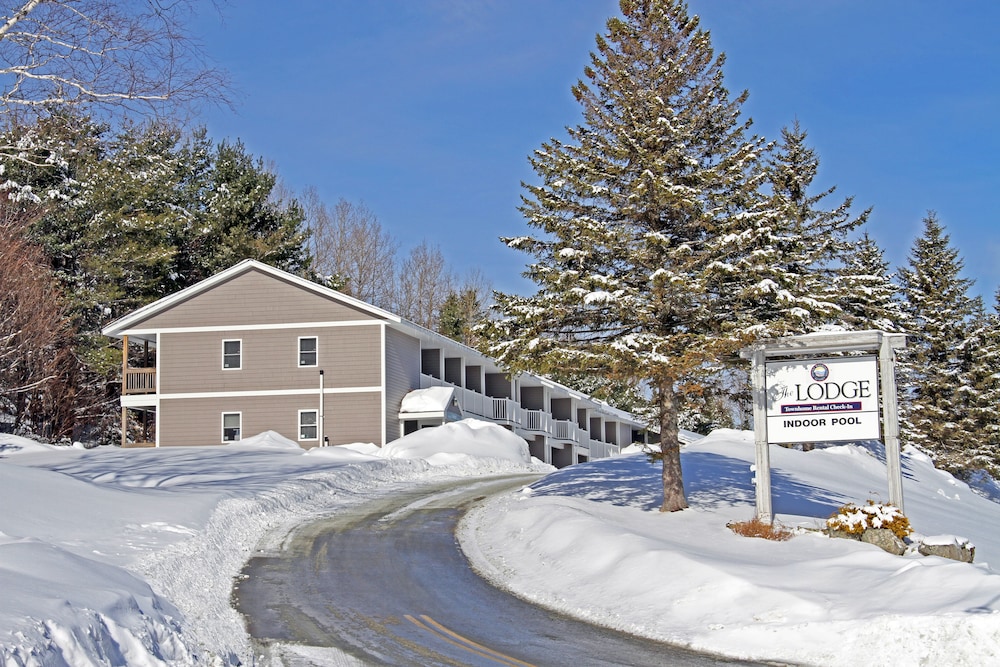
(855, 519)
(757, 528)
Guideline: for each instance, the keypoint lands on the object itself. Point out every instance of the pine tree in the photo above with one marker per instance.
(240, 219)
(460, 313)
(130, 217)
(981, 382)
(872, 300)
(150, 212)
(812, 243)
(940, 315)
(639, 216)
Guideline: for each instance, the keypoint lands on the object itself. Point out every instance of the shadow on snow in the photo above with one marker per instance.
(710, 481)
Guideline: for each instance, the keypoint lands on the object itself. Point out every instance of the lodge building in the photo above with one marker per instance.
(254, 348)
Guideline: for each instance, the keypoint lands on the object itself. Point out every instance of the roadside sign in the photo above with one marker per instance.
(822, 400)
(802, 397)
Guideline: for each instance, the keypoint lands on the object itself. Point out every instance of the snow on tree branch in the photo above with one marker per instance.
(112, 57)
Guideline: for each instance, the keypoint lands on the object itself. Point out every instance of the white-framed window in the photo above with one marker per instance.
(308, 425)
(232, 355)
(232, 426)
(308, 351)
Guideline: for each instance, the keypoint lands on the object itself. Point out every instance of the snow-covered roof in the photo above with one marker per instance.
(432, 399)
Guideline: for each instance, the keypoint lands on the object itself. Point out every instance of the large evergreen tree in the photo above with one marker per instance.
(935, 410)
(149, 211)
(811, 243)
(128, 217)
(639, 216)
(981, 390)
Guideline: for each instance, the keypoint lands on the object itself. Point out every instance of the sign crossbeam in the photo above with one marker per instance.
(808, 398)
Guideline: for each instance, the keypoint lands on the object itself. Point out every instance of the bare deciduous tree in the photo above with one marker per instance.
(34, 332)
(355, 254)
(350, 245)
(424, 282)
(109, 56)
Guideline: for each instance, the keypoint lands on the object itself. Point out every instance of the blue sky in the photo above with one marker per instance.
(426, 110)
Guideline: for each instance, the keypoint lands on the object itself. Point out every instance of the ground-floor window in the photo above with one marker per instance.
(308, 425)
(232, 425)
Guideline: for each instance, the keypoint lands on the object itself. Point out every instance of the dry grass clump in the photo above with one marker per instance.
(855, 519)
(757, 528)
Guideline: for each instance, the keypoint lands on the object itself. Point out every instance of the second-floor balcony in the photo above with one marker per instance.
(535, 420)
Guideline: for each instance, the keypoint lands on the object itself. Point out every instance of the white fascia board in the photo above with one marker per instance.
(253, 327)
(408, 416)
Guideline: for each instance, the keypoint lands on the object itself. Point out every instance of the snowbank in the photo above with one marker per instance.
(127, 557)
(112, 557)
(456, 442)
(589, 540)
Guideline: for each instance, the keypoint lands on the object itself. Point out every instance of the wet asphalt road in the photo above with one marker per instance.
(387, 583)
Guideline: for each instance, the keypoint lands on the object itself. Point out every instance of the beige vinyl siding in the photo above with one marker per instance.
(254, 298)
(354, 418)
(350, 356)
(350, 417)
(402, 374)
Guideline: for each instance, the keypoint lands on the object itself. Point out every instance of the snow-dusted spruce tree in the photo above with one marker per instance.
(873, 299)
(788, 276)
(639, 215)
(811, 243)
(937, 395)
(981, 383)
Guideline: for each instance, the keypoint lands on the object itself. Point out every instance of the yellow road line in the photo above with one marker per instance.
(430, 625)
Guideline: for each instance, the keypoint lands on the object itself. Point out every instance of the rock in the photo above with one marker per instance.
(962, 551)
(884, 539)
(842, 534)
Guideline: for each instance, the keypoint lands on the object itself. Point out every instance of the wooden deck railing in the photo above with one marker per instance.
(139, 381)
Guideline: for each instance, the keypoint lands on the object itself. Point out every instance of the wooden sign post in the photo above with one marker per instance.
(805, 395)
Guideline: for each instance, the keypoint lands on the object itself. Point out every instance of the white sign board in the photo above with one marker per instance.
(822, 400)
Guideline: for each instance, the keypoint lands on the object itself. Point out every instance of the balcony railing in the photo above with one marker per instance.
(504, 410)
(139, 381)
(535, 420)
(569, 430)
(508, 411)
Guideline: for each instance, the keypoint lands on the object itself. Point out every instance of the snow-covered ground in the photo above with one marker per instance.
(112, 557)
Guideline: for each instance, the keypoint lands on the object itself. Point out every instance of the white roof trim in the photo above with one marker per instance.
(123, 324)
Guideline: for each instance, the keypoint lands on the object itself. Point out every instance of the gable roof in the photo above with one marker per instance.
(118, 327)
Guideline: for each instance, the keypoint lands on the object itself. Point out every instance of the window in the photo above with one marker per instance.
(307, 351)
(308, 425)
(232, 354)
(232, 423)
